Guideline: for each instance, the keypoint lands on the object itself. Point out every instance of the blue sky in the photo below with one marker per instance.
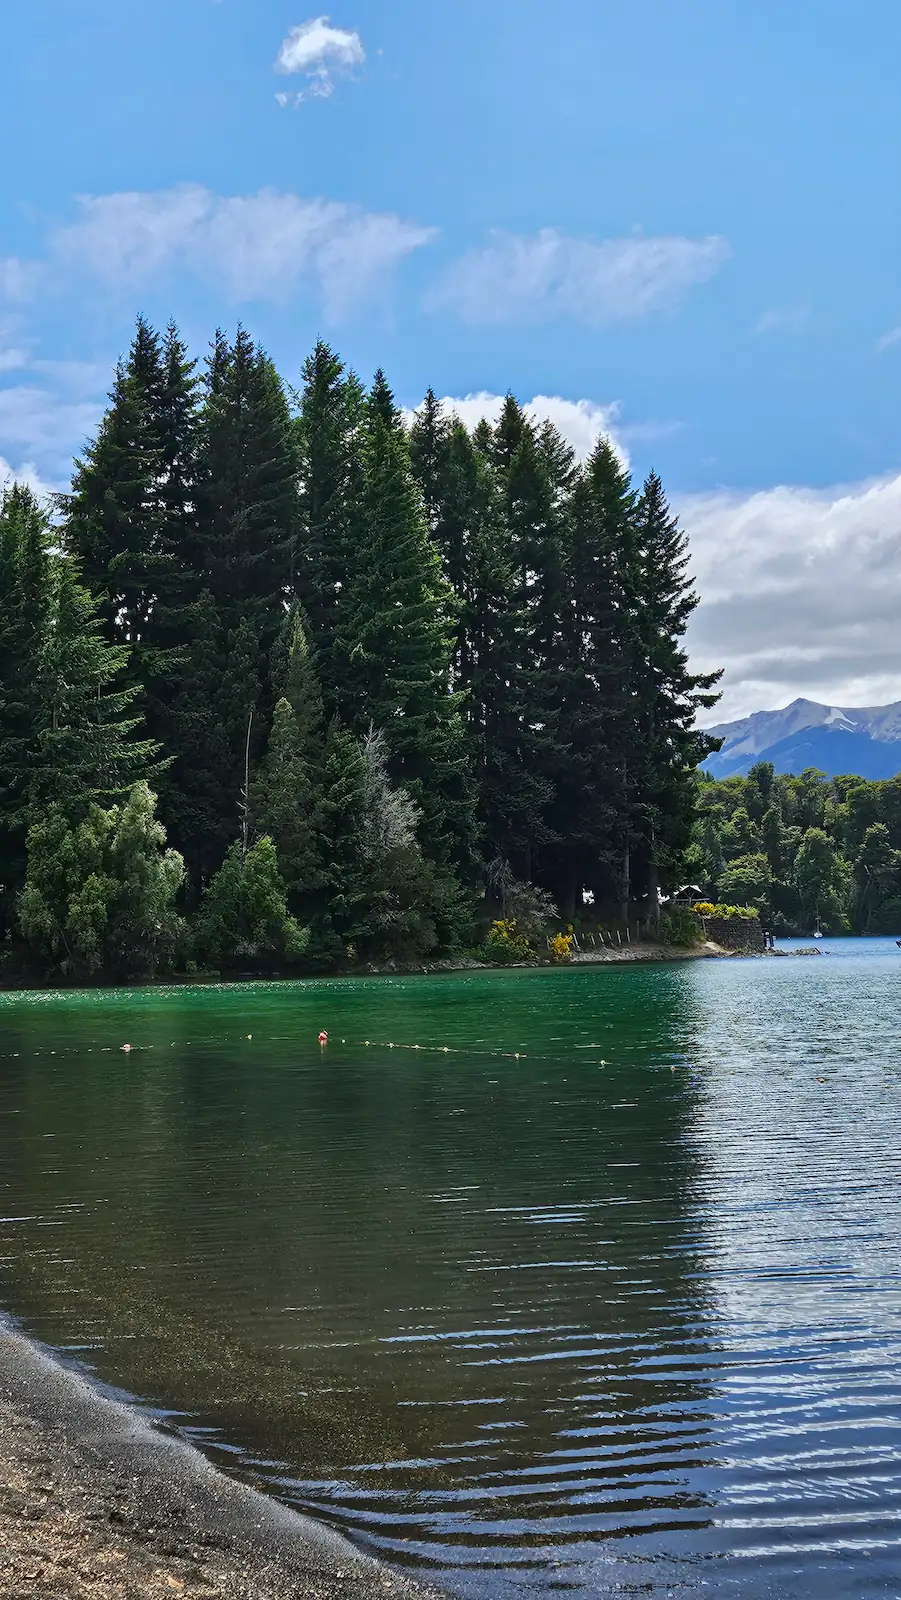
(679, 222)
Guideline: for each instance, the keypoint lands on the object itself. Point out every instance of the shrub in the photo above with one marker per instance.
(680, 927)
(506, 944)
(562, 946)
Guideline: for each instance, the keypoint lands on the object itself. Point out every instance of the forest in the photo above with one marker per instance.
(804, 851)
(291, 680)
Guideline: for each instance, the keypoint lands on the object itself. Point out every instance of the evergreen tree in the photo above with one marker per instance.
(100, 893)
(85, 734)
(203, 788)
(329, 439)
(130, 519)
(113, 519)
(590, 811)
(340, 922)
(248, 489)
(668, 745)
(244, 916)
(394, 640)
(285, 806)
(25, 601)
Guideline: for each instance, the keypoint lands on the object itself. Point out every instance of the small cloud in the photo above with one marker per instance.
(549, 276)
(783, 319)
(888, 339)
(321, 54)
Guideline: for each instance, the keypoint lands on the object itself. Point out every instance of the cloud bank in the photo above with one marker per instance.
(800, 594)
(321, 54)
(255, 247)
(549, 276)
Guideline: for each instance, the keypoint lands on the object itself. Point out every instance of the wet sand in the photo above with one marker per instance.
(97, 1504)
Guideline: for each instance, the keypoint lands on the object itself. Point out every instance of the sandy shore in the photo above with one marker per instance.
(96, 1504)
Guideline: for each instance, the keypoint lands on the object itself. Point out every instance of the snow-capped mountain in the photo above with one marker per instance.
(862, 739)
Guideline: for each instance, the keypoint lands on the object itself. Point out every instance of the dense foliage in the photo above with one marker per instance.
(288, 679)
(805, 851)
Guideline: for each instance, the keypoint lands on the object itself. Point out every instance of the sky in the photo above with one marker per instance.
(677, 224)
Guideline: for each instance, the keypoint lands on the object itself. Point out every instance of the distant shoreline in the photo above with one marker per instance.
(95, 1500)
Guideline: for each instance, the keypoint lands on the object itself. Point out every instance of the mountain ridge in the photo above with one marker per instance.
(865, 740)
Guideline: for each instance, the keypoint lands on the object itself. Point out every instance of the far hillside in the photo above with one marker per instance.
(805, 851)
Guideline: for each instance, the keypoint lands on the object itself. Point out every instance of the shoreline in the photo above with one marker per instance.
(96, 1503)
(629, 954)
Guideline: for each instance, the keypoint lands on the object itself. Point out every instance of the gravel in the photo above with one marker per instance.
(97, 1502)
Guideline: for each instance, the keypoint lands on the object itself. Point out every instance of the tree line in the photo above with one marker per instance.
(288, 677)
(805, 851)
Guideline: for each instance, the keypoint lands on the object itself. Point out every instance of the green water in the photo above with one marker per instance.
(597, 1291)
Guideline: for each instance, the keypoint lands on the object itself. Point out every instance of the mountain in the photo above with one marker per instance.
(862, 739)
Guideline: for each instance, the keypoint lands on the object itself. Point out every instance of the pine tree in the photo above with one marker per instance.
(130, 518)
(113, 520)
(394, 642)
(284, 806)
(588, 810)
(248, 495)
(532, 500)
(244, 916)
(87, 748)
(341, 920)
(25, 601)
(203, 785)
(668, 745)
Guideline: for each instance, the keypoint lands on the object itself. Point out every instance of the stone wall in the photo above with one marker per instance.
(735, 933)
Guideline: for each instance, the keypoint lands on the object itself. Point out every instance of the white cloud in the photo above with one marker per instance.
(46, 425)
(783, 319)
(888, 339)
(549, 276)
(321, 54)
(17, 278)
(258, 247)
(28, 473)
(800, 594)
(581, 422)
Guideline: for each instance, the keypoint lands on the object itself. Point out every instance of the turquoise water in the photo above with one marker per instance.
(596, 1291)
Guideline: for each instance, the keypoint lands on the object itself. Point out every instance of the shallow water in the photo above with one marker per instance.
(596, 1291)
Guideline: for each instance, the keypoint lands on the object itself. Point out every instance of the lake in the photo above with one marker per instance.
(581, 1281)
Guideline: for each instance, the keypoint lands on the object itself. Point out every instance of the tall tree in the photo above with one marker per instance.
(394, 641)
(130, 519)
(669, 746)
(25, 604)
(332, 409)
(248, 488)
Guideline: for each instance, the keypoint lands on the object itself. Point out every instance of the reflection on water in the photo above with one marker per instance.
(595, 1291)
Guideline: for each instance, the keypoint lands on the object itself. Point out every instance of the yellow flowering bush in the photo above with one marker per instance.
(562, 946)
(505, 943)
